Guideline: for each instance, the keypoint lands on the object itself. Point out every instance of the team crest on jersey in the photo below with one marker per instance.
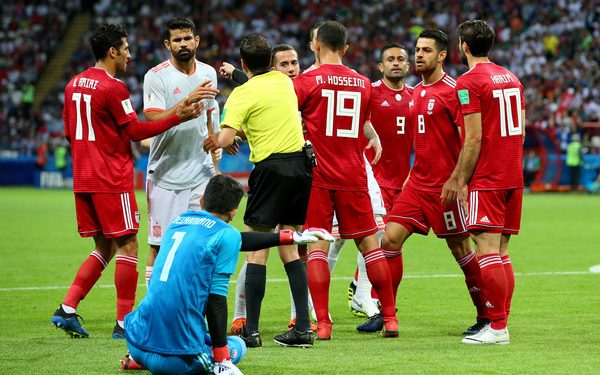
(398, 97)
(156, 231)
(430, 105)
(137, 217)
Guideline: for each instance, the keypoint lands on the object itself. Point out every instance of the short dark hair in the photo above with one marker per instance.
(179, 23)
(280, 48)
(440, 37)
(105, 37)
(333, 35)
(478, 35)
(389, 46)
(256, 53)
(313, 28)
(222, 194)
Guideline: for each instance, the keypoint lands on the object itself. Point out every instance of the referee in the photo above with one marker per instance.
(265, 109)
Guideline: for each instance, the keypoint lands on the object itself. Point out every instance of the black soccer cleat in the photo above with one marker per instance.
(296, 339)
(475, 328)
(373, 324)
(252, 339)
(118, 332)
(69, 323)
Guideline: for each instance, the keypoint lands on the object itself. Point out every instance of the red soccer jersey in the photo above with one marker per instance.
(390, 116)
(97, 106)
(334, 102)
(436, 115)
(498, 95)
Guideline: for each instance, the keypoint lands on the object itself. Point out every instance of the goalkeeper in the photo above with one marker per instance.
(168, 333)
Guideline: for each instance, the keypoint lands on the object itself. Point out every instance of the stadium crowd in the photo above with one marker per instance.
(551, 46)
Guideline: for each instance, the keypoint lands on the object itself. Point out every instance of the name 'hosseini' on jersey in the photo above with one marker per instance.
(497, 94)
(334, 102)
(437, 116)
(96, 109)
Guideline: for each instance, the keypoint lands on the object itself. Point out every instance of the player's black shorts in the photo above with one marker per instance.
(279, 188)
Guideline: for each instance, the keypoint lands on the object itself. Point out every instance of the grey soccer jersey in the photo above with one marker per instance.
(176, 159)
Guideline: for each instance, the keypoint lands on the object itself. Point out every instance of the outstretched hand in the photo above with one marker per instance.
(187, 110)
(203, 91)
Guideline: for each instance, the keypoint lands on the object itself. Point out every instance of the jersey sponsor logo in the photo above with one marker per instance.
(385, 104)
(156, 231)
(484, 220)
(463, 96)
(127, 107)
(430, 106)
(176, 91)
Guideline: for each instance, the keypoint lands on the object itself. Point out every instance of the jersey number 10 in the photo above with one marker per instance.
(335, 107)
(507, 112)
(88, 116)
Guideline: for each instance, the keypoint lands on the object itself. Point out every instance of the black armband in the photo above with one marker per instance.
(239, 76)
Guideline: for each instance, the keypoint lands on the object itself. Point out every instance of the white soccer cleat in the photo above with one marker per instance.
(488, 335)
(365, 307)
(226, 368)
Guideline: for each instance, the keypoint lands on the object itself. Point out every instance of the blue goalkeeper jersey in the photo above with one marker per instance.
(198, 254)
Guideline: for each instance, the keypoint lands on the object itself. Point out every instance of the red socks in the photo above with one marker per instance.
(494, 283)
(317, 270)
(379, 275)
(86, 277)
(126, 276)
(470, 267)
(510, 282)
(394, 260)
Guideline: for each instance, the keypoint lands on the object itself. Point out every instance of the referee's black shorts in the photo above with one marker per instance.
(279, 188)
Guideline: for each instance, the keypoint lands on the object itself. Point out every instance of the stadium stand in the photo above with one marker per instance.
(553, 46)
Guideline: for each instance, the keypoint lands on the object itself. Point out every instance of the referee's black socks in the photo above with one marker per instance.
(296, 272)
(256, 278)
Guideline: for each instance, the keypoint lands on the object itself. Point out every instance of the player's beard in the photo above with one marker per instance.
(184, 55)
(396, 77)
(463, 57)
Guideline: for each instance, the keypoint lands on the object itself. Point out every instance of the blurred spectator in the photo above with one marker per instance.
(531, 166)
(574, 160)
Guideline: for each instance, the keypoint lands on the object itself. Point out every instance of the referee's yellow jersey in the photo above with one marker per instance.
(266, 108)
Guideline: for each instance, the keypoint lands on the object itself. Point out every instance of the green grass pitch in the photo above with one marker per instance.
(554, 325)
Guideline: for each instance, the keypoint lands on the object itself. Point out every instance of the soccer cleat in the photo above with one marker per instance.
(292, 324)
(128, 363)
(324, 330)
(236, 326)
(252, 339)
(226, 368)
(363, 308)
(475, 328)
(488, 335)
(118, 332)
(390, 327)
(296, 339)
(373, 324)
(351, 292)
(69, 323)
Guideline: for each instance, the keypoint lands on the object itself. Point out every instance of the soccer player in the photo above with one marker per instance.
(493, 107)
(167, 333)
(334, 101)
(429, 196)
(266, 109)
(178, 168)
(100, 123)
(284, 58)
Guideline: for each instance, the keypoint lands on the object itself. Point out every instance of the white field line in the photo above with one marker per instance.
(275, 280)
